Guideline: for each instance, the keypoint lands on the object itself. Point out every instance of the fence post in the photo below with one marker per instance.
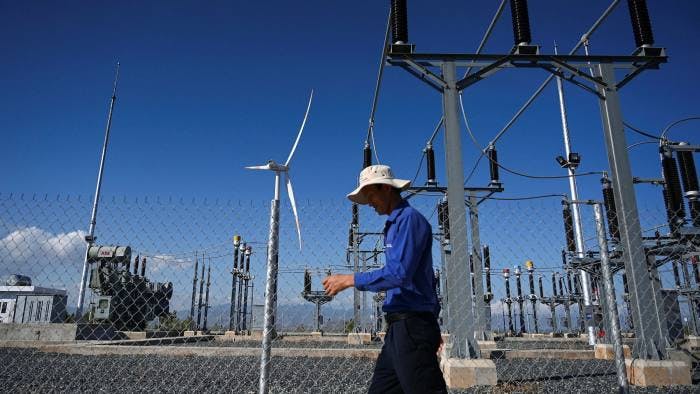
(609, 289)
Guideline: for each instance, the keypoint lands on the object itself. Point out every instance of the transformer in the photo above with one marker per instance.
(125, 300)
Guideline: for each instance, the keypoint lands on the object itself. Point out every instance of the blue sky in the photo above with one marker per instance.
(209, 87)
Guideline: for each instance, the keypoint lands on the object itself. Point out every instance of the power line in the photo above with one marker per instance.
(514, 172)
(667, 128)
(638, 131)
(525, 198)
(370, 128)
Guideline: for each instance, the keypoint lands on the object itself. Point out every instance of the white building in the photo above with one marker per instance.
(21, 302)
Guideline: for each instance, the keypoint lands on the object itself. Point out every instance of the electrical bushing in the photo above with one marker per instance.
(641, 24)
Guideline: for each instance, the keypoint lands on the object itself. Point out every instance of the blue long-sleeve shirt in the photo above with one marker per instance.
(407, 275)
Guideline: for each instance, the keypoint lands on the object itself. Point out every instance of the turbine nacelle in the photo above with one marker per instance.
(271, 166)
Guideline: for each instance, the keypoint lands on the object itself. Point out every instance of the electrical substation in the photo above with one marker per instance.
(606, 303)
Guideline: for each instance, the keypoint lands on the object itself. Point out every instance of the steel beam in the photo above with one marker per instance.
(648, 344)
(459, 306)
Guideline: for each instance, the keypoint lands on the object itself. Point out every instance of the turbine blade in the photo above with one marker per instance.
(301, 129)
(265, 167)
(290, 193)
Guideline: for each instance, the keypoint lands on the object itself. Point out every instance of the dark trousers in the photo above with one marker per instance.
(408, 361)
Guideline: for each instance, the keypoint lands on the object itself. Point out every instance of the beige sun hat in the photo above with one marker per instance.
(377, 174)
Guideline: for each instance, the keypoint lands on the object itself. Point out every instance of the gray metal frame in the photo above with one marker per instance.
(605, 87)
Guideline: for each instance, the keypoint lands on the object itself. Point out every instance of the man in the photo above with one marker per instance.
(408, 360)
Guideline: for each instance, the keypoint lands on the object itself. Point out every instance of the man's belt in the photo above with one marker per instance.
(393, 317)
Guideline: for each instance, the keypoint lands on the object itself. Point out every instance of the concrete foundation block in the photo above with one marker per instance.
(462, 374)
(657, 373)
(241, 336)
(691, 343)
(134, 334)
(486, 345)
(188, 333)
(359, 338)
(38, 332)
(316, 333)
(605, 351)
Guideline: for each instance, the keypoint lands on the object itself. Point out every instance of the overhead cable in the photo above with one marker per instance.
(370, 127)
(638, 131)
(525, 198)
(667, 128)
(514, 172)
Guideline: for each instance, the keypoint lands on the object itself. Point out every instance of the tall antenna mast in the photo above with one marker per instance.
(572, 161)
(90, 238)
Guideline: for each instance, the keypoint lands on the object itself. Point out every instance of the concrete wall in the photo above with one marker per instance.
(37, 332)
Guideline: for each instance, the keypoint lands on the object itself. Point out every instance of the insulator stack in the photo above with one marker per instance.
(561, 286)
(366, 156)
(506, 276)
(355, 215)
(531, 280)
(568, 226)
(350, 238)
(610, 210)
(676, 274)
(242, 249)
(539, 282)
(248, 252)
(625, 286)
(487, 267)
(236, 245)
(563, 258)
(518, 284)
(554, 285)
(307, 281)
(689, 176)
(143, 267)
(430, 157)
(641, 24)
(136, 265)
(444, 219)
(492, 155)
(521, 22)
(696, 269)
(399, 22)
(568, 283)
(577, 284)
(673, 195)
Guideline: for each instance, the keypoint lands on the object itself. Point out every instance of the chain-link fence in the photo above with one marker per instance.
(175, 302)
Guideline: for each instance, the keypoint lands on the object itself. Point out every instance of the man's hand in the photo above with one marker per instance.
(334, 284)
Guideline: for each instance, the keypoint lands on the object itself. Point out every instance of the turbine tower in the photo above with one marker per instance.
(272, 249)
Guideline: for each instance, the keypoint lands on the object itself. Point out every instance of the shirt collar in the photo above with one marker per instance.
(397, 211)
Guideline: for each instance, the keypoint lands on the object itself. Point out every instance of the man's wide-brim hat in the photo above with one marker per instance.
(376, 175)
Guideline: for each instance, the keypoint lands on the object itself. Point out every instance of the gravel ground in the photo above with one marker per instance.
(544, 344)
(28, 370)
(535, 344)
(285, 344)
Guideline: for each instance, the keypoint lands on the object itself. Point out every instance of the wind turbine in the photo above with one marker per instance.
(273, 249)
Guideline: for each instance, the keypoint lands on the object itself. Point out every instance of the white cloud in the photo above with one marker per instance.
(32, 251)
